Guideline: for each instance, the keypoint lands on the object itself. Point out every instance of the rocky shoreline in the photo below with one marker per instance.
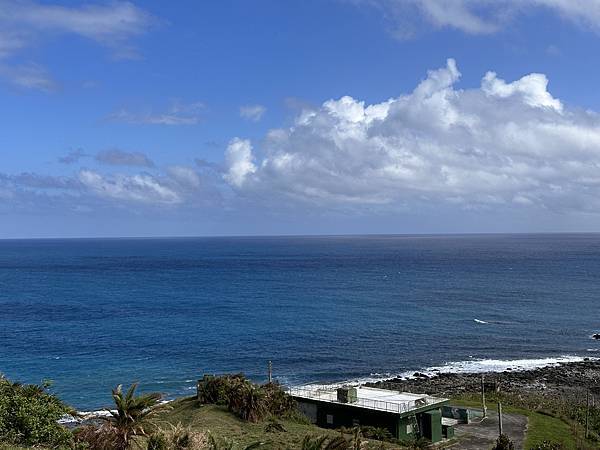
(570, 378)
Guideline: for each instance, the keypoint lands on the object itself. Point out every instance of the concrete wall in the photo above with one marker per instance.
(332, 415)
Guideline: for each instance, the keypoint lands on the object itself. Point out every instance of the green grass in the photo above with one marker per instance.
(221, 423)
(541, 427)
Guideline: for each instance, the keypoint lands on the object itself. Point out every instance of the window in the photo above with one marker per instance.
(355, 422)
(409, 429)
(329, 419)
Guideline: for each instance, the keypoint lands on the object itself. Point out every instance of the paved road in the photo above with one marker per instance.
(482, 436)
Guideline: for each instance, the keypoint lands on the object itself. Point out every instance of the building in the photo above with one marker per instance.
(405, 415)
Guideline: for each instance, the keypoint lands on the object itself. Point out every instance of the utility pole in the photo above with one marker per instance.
(483, 396)
(270, 372)
(500, 418)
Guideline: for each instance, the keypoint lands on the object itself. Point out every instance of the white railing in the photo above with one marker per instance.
(380, 405)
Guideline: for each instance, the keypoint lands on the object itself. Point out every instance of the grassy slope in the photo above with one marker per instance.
(541, 427)
(220, 422)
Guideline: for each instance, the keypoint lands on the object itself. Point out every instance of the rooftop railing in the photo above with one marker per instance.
(380, 405)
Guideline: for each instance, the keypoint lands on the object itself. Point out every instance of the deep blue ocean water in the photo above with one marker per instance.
(91, 313)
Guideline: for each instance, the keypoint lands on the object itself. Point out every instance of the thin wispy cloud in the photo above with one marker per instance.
(177, 114)
(24, 24)
(72, 157)
(113, 24)
(478, 16)
(252, 112)
(116, 157)
(29, 76)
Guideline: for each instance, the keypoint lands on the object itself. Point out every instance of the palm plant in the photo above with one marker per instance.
(131, 415)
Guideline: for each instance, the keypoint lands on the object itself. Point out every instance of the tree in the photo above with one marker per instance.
(132, 414)
(29, 415)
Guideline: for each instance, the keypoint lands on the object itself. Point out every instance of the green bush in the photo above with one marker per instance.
(245, 399)
(504, 443)
(157, 441)
(213, 390)
(29, 415)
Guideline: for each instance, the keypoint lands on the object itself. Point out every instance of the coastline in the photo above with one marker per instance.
(563, 378)
(544, 376)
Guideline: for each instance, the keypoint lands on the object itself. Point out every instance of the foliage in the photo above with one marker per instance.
(416, 443)
(213, 390)
(29, 415)
(177, 437)
(504, 443)
(228, 444)
(548, 445)
(324, 443)
(278, 402)
(274, 427)
(130, 418)
(380, 434)
(245, 399)
(94, 437)
(157, 441)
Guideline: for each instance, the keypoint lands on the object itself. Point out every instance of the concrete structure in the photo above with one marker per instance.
(405, 415)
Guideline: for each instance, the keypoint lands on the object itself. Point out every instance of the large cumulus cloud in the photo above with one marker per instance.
(502, 143)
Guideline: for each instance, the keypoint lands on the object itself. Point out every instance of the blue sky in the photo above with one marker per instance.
(298, 117)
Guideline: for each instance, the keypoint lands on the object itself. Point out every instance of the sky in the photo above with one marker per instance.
(268, 117)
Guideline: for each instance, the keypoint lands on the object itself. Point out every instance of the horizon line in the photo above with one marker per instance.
(335, 235)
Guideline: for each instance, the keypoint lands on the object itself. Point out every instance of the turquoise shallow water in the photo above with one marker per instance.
(90, 314)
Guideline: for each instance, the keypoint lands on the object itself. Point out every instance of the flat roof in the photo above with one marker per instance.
(371, 398)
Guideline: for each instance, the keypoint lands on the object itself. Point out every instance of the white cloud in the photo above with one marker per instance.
(503, 144)
(184, 176)
(142, 188)
(479, 16)
(177, 114)
(532, 87)
(238, 157)
(252, 112)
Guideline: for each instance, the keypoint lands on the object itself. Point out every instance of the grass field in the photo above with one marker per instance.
(542, 427)
(220, 422)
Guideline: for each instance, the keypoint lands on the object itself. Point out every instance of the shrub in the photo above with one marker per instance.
(244, 398)
(177, 438)
(29, 415)
(157, 441)
(94, 437)
(247, 401)
(214, 389)
(278, 402)
(380, 434)
(548, 445)
(274, 427)
(504, 443)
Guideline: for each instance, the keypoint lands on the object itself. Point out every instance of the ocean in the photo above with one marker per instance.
(89, 314)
